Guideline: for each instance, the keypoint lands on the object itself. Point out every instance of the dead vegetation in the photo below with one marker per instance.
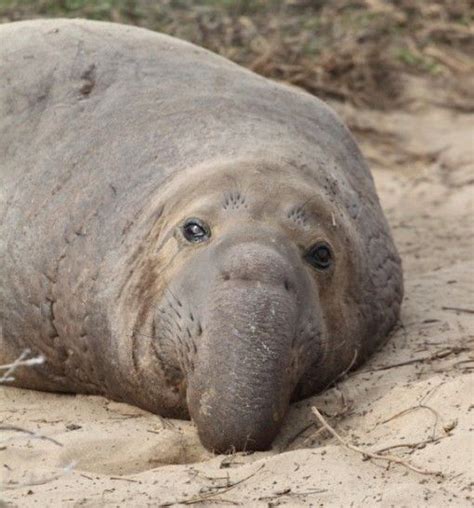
(366, 454)
(24, 360)
(354, 51)
(7, 371)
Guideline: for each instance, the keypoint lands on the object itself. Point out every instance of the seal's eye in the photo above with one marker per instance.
(319, 256)
(195, 231)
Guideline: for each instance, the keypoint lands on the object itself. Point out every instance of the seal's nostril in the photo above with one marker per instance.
(254, 261)
(287, 285)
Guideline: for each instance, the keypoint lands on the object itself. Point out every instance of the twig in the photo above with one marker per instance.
(459, 309)
(365, 453)
(12, 484)
(217, 492)
(344, 372)
(131, 480)
(30, 433)
(290, 493)
(430, 392)
(443, 353)
(345, 405)
(307, 492)
(292, 439)
(462, 362)
(21, 361)
(420, 405)
(408, 410)
(420, 444)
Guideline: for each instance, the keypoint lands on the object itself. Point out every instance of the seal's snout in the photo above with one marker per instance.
(245, 422)
(239, 391)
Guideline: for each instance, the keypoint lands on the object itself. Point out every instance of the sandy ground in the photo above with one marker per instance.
(414, 397)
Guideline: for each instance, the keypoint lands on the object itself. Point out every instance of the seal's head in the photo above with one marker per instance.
(259, 300)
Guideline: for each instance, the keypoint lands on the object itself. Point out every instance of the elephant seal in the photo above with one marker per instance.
(180, 233)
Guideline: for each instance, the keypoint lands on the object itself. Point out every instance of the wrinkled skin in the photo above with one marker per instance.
(111, 145)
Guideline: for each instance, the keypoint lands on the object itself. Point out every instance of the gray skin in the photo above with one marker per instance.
(111, 137)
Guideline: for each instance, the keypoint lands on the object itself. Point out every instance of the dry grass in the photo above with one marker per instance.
(24, 360)
(366, 454)
(348, 50)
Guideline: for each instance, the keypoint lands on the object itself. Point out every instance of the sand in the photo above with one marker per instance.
(414, 396)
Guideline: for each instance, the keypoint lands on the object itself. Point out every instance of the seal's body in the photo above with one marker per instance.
(180, 233)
